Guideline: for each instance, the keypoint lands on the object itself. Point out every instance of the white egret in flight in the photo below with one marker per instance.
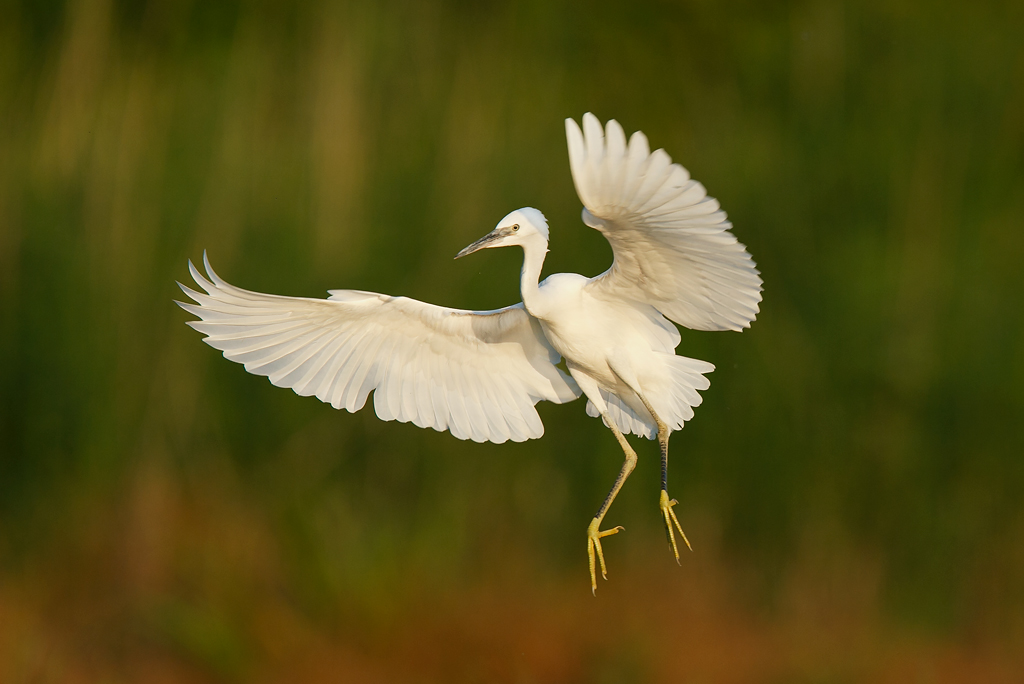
(479, 374)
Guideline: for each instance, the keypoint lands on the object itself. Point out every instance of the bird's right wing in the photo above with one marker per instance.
(477, 374)
(672, 245)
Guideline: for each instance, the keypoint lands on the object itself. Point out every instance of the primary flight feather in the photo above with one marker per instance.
(479, 374)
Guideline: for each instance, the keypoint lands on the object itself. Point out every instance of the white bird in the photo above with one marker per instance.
(479, 374)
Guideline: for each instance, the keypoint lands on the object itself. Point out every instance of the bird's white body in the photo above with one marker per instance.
(607, 343)
(479, 374)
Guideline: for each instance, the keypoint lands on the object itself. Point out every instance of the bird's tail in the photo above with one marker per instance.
(673, 394)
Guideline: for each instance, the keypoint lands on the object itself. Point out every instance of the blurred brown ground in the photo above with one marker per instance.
(192, 591)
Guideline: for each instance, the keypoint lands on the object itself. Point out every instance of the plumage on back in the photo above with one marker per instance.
(671, 242)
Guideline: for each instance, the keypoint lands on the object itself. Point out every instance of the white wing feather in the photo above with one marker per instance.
(671, 242)
(477, 374)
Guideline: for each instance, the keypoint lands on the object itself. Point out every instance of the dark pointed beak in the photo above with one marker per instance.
(483, 243)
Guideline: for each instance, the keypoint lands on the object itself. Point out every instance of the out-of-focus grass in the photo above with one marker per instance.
(202, 595)
(852, 483)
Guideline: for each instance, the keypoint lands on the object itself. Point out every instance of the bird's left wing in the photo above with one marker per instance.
(672, 245)
(477, 374)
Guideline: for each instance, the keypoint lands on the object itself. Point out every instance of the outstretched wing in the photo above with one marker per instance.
(477, 374)
(671, 242)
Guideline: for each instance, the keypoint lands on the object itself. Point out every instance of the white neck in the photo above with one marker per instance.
(533, 260)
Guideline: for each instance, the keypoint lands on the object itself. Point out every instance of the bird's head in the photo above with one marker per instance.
(517, 228)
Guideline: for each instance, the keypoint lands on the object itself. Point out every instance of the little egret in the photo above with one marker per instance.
(479, 374)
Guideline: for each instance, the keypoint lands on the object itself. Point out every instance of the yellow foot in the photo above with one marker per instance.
(670, 520)
(594, 542)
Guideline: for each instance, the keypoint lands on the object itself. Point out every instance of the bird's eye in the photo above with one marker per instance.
(515, 228)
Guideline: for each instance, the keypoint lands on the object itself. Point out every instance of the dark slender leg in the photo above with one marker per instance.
(666, 503)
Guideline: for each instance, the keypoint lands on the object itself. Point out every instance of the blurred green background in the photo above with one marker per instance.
(852, 483)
